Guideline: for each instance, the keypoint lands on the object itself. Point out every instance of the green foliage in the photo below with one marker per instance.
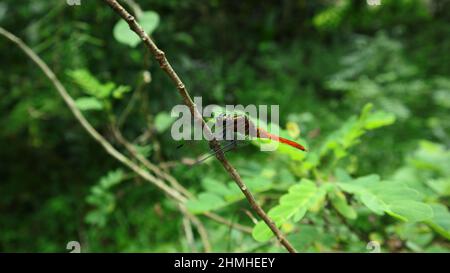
(163, 121)
(349, 134)
(91, 86)
(102, 199)
(393, 198)
(300, 198)
(353, 129)
(89, 103)
(330, 18)
(218, 195)
(364, 88)
(340, 203)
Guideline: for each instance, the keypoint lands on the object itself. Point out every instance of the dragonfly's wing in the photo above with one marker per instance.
(225, 148)
(228, 146)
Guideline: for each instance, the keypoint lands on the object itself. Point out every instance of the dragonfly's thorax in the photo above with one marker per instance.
(228, 127)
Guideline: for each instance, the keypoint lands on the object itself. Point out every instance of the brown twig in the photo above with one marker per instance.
(200, 228)
(224, 221)
(132, 150)
(166, 66)
(189, 234)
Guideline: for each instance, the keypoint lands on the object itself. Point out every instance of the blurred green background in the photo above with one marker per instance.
(365, 87)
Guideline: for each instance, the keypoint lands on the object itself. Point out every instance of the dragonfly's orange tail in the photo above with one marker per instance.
(264, 134)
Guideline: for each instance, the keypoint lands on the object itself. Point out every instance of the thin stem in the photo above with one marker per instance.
(189, 234)
(224, 221)
(200, 228)
(132, 150)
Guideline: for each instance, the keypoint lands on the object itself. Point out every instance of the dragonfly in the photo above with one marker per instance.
(230, 127)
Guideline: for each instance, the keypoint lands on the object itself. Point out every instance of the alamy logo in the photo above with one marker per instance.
(74, 246)
(73, 2)
(373, 2)
(373, 247)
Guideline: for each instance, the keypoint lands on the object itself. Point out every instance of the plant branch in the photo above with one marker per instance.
(189, 234)
(144, 161)
(200, 228)
(224, 221)
(166, 67)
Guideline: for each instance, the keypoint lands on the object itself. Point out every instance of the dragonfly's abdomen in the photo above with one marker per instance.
(264, 134)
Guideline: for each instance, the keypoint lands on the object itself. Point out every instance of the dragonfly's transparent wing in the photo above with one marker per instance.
(225, 148)
(228, 146)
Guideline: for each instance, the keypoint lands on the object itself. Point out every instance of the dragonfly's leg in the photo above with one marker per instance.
(180, 145)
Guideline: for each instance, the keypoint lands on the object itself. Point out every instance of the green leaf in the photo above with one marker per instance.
(379, 119)
(365, 111)
(111, 178)
(353, 129)
(261, 232)
(224, 194)
(163, 121)
(100, 197)
(256, 184)
(330, 18)
(342, 175)
(408, 210)
(433, 157)
(149, 21)
(96, 218)
(120, 90)
(393, 198)
(374, 203)
(205, 202)
(145, 150)
(440, 186)
(339, 202)
(358, 185)
(88, 103)
(218, 187)
(441, 220)
(93, 87)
